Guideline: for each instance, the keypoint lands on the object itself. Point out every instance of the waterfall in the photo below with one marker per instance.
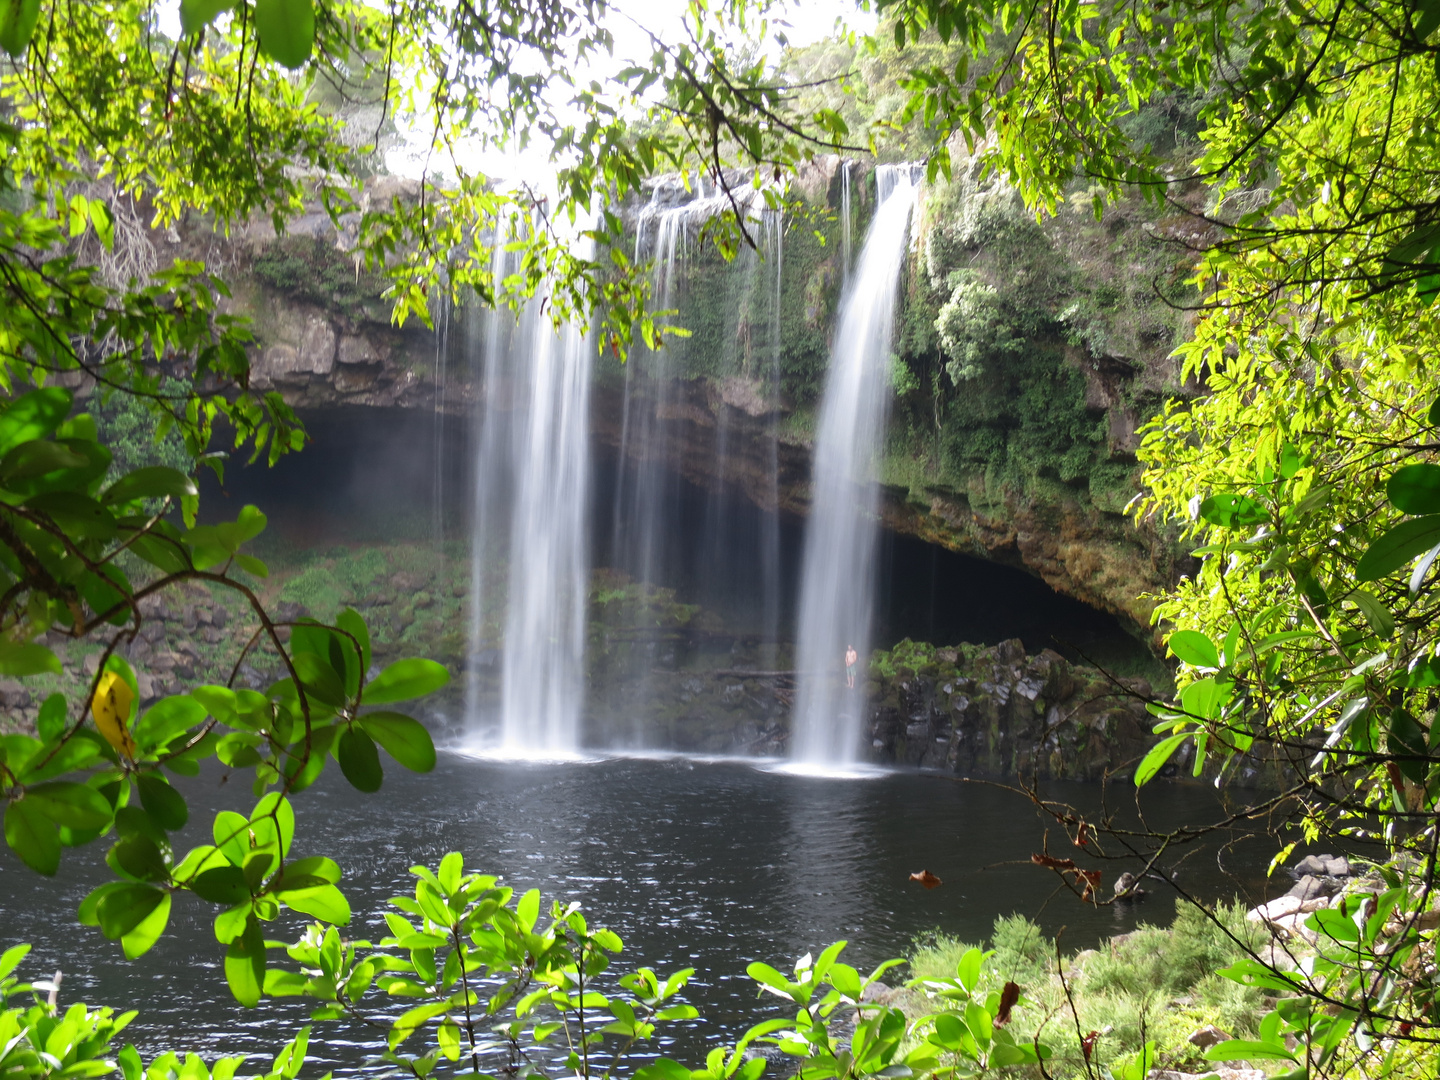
(770, 528)
(845, 259)
(837, 586)
(643, 501)
(532, 474)
(440, 319)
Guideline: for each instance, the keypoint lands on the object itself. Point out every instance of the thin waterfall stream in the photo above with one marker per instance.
(837, 581)
(533, 473)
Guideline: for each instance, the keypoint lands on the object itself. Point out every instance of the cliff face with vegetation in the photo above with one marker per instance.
(1029, 355)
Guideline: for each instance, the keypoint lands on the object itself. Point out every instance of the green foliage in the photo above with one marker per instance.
(307, 268)
(1152, 985)
(319, 589)
(1024, 418)
(130, 428)
(41, 1041)
(64, 525)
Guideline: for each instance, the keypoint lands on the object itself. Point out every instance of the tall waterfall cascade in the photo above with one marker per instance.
(837, 579)
(531, 513)
(646, 543)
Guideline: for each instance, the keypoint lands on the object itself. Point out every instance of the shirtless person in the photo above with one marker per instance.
(851, 658)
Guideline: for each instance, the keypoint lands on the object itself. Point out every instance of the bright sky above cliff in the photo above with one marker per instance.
(802, 22)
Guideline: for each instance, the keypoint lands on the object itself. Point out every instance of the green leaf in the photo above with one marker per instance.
(221, 885)
(132, 820)
(220, 702)
(17, 25)
(153, 482)
(404, 738)
(162, 802)
(37, 458)
(123, 909)
(167, 718)
(1194, 648)
(1155, 760)
(350, 621)
(1408, 737)
(1396, 547)
(131, 1067)
(312, 866)
(53, 717)
(32, 836)
(1376, 613)
(77, 514)
(73, 805)
(1291, 461)
(967, 970)
(245, 964)
(1235, 1049)
(1415, 489)
(324, 902)
(77, 753)
(251, 565)
(1233, 511)
(33, 415)
(359, 760)
(1205, 698)
(274, 812)
(406, 679)
(139, 940)
(138, 857)
(662, 1069)
(11, 959)
(232, 835)
(286, 29)
(319, 678)
(21, 659)
(1427, 18)
(198, 14)
(164, 554)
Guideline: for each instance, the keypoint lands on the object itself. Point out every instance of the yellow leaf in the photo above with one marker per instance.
(111, 708)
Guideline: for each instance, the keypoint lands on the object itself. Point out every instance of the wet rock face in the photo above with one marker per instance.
(998, 712)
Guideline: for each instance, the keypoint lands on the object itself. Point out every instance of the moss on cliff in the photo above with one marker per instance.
(307, 268)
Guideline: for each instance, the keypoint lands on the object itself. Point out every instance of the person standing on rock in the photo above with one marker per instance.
(851, 659)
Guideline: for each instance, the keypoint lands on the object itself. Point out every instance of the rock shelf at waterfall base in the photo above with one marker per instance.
(972, 710)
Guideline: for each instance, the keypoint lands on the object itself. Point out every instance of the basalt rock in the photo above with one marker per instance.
(998, 712)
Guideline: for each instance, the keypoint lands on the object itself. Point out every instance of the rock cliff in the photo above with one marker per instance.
(968, 468)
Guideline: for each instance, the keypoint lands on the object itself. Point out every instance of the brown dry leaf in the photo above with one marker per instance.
(1008, 997)
(929, 880)
(1053, 863)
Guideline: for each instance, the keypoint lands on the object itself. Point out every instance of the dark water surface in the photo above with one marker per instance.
(695, 864)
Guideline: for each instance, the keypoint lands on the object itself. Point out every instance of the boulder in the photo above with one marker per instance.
(1278, 908)
(1337, 866)
(1206, 1037)
(1310, 887)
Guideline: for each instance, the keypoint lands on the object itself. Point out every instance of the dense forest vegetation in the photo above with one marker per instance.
(1287, 151)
